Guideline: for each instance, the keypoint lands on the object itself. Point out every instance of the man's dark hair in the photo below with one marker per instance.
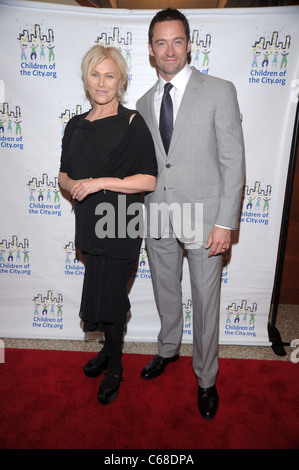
(170, 14)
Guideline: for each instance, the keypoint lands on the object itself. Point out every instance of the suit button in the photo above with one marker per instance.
(168, 165)
(164, 188)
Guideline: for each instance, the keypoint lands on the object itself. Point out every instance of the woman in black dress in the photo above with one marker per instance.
(107, 160)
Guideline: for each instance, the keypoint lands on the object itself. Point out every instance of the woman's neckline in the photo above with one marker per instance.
(103, 117)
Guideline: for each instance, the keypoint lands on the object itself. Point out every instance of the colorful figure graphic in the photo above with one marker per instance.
(59, 310)
(6, 115)
(9, 127)
(265, 62)
(258, 192)
(40, 194)
(68, 250)
(196, 58)
(51, 52)
(284, 59)
(56, 195)
(42, 50)
(13, 246)
(275, 56)
(200, 43)
(258, 203)
(36, 305)
(255, 57)
(229, 313)
(266, 203)
(31, 192)
(26, 256)
(45, 309)
(33, 46)
(42, 186)
(23, 45)
(18, 126)
(10, 254)
(252, 318)
(2, 120)
(128, 56)
(271, 45)
(249, 204)
(206, 59)
(241, 309)
(37, 40)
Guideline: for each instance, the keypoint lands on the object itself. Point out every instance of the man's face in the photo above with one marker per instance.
(169, 48)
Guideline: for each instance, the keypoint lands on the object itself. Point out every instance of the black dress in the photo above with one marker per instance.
(109, 147)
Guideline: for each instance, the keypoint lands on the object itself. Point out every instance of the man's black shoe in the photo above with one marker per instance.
(208, 402)
(157, 366)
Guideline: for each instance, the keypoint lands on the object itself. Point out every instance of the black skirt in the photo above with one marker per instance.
(104, 295)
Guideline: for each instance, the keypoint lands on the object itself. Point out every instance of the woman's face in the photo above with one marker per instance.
(104, 82)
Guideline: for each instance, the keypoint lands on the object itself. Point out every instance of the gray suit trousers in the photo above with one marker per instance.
(166, 259)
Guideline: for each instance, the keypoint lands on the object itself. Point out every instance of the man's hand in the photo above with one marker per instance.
(219, 241)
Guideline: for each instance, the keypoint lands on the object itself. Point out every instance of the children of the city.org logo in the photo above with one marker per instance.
(201, 50)
(48, 311)
(120, 40)
(14, 257)
(240, 319)
(10, 127)
(44, 196)
(73, 266)
(37, 53)
(256, 205)
(270, 59)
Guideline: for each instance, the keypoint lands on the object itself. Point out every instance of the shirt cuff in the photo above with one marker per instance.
(226, 228)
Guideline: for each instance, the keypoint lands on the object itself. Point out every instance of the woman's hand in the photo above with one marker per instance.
(79, 189)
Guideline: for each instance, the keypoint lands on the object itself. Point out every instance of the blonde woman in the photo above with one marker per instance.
(107, 160)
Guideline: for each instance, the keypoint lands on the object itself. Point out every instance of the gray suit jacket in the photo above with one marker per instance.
(205, 162)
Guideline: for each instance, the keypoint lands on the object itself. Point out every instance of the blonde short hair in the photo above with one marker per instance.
(95, 56)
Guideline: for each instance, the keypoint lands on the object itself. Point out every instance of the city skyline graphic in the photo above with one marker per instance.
(30, 38)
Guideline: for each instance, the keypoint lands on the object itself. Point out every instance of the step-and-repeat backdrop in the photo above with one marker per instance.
(42, 46)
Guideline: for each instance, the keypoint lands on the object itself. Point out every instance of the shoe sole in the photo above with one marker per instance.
(108, 400)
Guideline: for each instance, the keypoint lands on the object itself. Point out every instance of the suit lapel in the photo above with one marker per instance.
(153, 121)
(191, 95)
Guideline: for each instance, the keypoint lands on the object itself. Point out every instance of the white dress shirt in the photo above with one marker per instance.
(179, 83)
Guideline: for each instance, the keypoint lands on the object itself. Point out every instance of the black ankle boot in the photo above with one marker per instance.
(96, 365)
(109, 387)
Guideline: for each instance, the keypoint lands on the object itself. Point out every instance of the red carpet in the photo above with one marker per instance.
(48, 403)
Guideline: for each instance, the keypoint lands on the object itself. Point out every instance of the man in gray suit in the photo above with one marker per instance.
(200, 181)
